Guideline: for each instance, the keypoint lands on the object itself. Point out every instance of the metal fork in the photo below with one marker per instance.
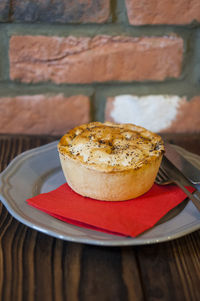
(163, 178)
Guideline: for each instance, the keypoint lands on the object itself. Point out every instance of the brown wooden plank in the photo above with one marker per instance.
(131, 274)
(8, 268)
(186, 257)
(170, 271)
(155, 272)
(101, 275)
(28, 263)
(43, 281)
(71, 263)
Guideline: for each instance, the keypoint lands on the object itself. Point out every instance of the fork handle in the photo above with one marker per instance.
(195, 201)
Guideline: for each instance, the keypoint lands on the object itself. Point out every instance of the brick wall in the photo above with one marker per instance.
(63, 63)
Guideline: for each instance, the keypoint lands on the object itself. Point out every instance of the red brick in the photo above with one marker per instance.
(188, 117)
(98, 59)
(59, 11)
(183, 118)
(42, 114)
(4, 10)
(141, 12)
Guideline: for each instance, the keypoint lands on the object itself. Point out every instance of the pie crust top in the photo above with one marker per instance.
(111, 147)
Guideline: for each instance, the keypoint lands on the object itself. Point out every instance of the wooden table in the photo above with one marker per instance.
(34, 266)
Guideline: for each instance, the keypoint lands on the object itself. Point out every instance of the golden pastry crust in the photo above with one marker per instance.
(111, 147)
(110, 161)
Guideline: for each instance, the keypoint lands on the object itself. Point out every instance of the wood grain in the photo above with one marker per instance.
(37, 267)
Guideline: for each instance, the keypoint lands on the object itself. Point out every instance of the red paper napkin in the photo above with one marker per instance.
(129, 218)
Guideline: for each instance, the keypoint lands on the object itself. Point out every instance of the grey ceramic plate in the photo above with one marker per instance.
(38, 170)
